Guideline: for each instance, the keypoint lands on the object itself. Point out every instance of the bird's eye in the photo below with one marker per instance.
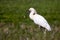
(33, 13)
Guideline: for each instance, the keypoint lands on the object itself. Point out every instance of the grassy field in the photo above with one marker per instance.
(16, 25)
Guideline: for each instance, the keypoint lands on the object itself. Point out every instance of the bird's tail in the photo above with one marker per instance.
(48, 27)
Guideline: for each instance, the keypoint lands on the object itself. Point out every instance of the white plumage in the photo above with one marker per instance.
(38, 19)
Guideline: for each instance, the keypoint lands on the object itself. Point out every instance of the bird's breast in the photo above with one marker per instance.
(31, 17)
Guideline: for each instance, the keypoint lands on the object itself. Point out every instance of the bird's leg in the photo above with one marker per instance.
(45, 32)
(41, 28)
(44, 35)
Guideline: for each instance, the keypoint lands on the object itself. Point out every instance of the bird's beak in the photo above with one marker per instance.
(28, 11)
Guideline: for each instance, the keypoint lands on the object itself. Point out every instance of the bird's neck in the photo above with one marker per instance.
(32, 15)
(32, 12)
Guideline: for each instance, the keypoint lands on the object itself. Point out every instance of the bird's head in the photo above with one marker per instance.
(31, 9)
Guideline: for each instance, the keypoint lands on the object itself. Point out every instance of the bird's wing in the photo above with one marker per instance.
(40, 20)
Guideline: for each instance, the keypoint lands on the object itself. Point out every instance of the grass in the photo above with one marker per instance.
(16, 25)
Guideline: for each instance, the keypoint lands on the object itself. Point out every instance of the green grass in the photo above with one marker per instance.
(16, 25)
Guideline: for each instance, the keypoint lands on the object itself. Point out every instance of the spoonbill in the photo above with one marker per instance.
(39, 20)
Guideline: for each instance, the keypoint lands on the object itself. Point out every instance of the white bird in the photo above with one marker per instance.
(38, 19)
